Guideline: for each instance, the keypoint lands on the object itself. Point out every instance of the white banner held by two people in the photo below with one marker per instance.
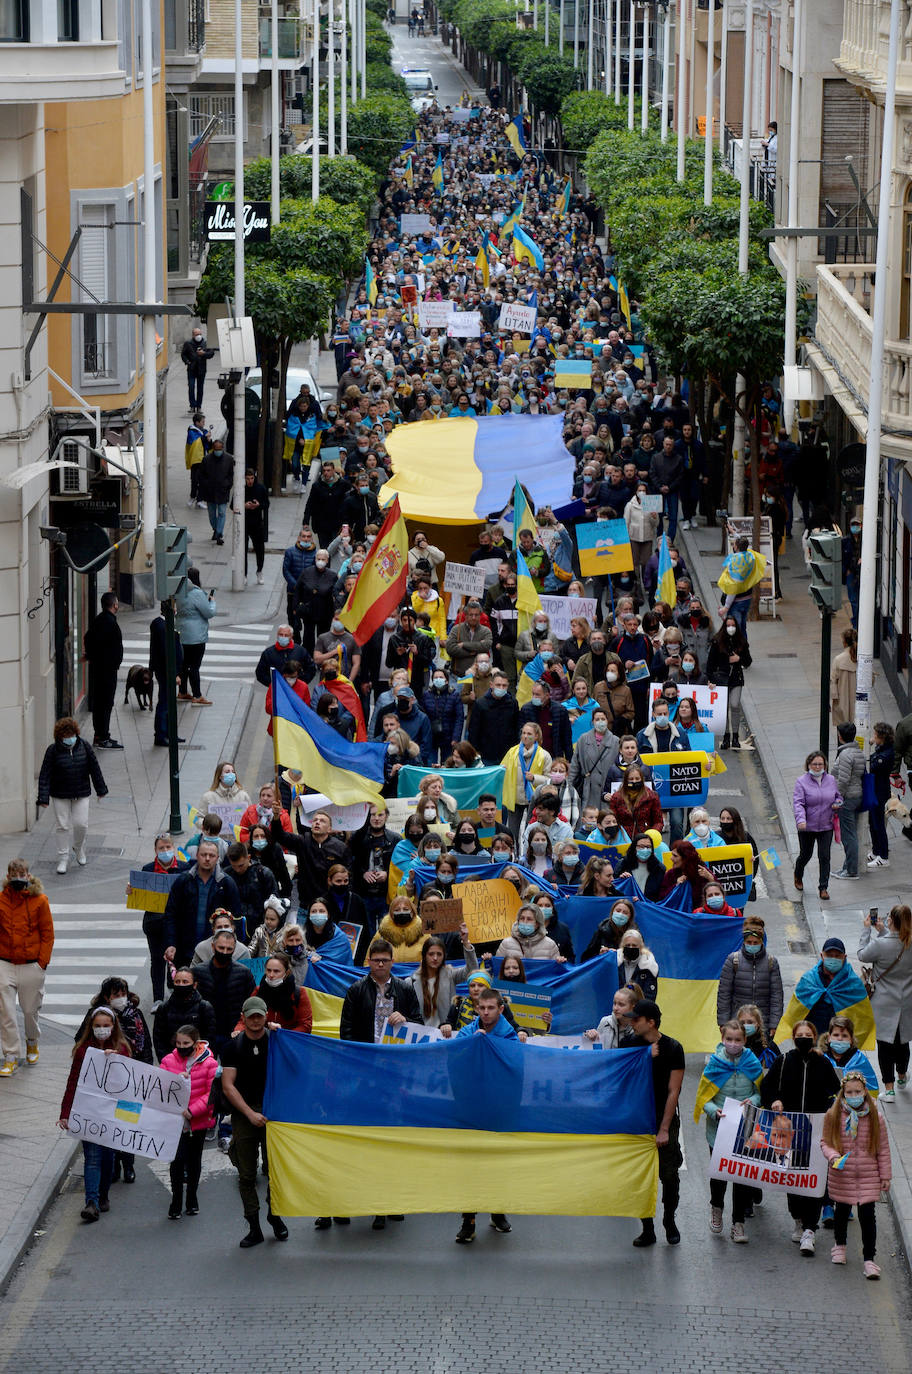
(125, 1105)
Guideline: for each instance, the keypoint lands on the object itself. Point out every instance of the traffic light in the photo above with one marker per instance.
(171, 560)
(826, 569)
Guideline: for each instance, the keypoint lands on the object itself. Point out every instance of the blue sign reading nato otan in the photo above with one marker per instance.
(220, 221)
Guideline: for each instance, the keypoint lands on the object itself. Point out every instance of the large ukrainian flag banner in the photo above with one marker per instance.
(475, 1125)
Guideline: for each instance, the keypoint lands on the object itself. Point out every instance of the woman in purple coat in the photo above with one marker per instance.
(815, 801)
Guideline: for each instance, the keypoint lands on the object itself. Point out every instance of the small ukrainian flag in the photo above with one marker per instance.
(516, 135)
(128, 1111)
(525, 249)
(370, 282)
(437, 175)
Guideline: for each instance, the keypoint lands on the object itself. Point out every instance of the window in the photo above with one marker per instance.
(68, 21)
(14, 21)
(204, 107)
(104, 346)
(96, 274)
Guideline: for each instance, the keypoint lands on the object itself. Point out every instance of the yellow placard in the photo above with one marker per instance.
(488, 908)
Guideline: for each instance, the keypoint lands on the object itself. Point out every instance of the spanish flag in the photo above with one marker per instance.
(516, 135)
(346, 773)
(845, 993)
(525, 249)
(380, 585)
(437, 175)
(480, 1123)
(370, 282)
(668, 591)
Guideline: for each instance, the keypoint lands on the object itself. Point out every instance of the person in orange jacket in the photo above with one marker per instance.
(26, 942)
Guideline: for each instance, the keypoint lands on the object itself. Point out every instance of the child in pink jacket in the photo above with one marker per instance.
(192, 1057)
(855, 1144)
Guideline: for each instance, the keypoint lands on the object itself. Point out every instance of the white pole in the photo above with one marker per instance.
(331, 82)
(875, 396)
(680, 98)
(590, 46)
(547, 23)
(274, 120)
(666, 64)
(535, 15)
(238, 540)
(343, 84)
(723, 77)
(150, 292)
(740, 443)
(353, 11)
(618, 6)
(790, 349)
(315, 107)
(631, 63)
(609, 16)
(561, 22)
(708, 148)
(644, 82)
(362, 30)
(576, 5)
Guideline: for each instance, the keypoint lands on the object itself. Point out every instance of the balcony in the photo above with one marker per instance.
(292, 36)
(32, 72)
(185, 41)
(845, 297)
(865, 45)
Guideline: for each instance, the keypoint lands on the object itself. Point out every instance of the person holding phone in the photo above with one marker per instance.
(194, 610)
(887, 946)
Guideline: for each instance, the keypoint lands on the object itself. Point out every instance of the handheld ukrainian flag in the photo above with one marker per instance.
(516, 135)
(668, 591)
(624, 302)
(482, 262)
(525, 249)
(528, 600)
(437, 175)
(846, 994)
(523, 519)
(344, 772)
(409, 173)
(573, 372)
(564, 202)
(479, 1123)
(380, 585)
(410, 143)
(370, 282)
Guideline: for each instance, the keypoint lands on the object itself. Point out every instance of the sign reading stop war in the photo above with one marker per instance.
(680, 779)
(733, 867)
(125, 1105)
(488, 908)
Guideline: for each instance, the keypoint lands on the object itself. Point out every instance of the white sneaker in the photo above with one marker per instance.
(260, 579)
(878, 862)
(738, 1234)
(685, 524)
(807, 1244)
(797, 1233)
(62, 865)
(715, 1220)
(81, 856)
(192, 502)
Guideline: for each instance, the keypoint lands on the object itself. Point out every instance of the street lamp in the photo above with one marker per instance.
(666, 64)
(238, 539)
(644, 81)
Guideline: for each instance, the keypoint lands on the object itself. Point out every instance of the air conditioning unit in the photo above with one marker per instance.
(73, 481)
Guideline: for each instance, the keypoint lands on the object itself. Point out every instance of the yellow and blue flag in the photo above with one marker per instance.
(481, 456)
(564, 202)
(623, 300)
(668, 591)
(516, 135)
(344, 772)
(572, 372)
(410, 143)
(604, 547)
(409, 173)
(483, 262)
(846, 994)
(474, 1124)
(523, 519)
(525, 249)
(370, 282)
(437, 175)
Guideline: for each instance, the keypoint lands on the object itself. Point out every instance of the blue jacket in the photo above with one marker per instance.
(185, 923)
(194, 611)
(446, 713)
(294, 563)
(501, 1027)
(418, 728)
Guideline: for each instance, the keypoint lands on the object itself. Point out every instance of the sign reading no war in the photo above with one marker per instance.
(680, 779)
(125, 1105)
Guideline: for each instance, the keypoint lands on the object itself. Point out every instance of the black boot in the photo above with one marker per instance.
(192, 1207)
(279, 1229)
(647, 1236)
(254, 1235)
(672, 1234)
(322, 1223)
(726, 741)
(174, 1211)
(466, 1232)
(500, 1223)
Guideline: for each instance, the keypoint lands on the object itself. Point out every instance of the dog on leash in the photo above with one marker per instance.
(900, 812)
(139, 681)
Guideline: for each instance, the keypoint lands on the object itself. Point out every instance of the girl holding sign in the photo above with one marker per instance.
(102, 1032)
(192, 1057)
(856, 1146)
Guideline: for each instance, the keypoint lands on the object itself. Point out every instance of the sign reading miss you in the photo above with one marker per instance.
(220, 226)
(125, 1105)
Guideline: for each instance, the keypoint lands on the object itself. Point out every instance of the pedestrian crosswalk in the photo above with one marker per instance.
(91, 941)
(232, 651)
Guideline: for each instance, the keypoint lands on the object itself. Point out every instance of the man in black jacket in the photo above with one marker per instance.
(323, 511)
(216, 481)
(372, 849)
(225, 984)
(256, 521)
(254, 883)
(103, 647)
(194, 895)
(277, 655)
(316, 851)
(158, 667)
(360, 507)
(378, 997)
(494, 724)
(194, 356)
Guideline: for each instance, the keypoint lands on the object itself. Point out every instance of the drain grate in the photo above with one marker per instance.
(788, 655)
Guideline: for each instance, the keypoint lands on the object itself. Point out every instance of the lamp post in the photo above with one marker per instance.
(789, 350)
(238, 540)
(644, 73)
(150, 292)
(666, 64)
(609, 18)
(315, 106)
(590, 46)
(681, 96)
(631, 62)
(274, 113)
(331, 80)
(710, 103)
(618, 4)
(740, 435)
(343, 85)
(723, 77)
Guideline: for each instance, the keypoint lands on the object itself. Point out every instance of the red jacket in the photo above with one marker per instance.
(648, 812)
(300, 1020)
(201, 1075)
(252, 817)
(26, 927)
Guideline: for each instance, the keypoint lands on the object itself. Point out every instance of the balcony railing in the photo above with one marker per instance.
(196, 25)
(866, 41)
(845, 296)
(291, 37)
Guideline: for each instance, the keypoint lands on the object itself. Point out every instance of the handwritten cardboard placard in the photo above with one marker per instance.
(438, 918)
(488, 908)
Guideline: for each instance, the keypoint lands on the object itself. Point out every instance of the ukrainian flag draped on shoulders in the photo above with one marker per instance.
(719, 1069)
(846, 994)
(479, 1123)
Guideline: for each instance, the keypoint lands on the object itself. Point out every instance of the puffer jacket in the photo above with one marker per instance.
(70, 773)
(863, 1176)
(537, 946)
(201, 1075)
(181, 1011)
(812, 801)
(194, 611)
(26, 926)
(750, 978)
(848, 770)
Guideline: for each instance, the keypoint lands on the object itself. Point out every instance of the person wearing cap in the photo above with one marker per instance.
(244, 1060)
(750, 974)
(832, 988)
(415, 723)
(411, 650)
(667, 1078)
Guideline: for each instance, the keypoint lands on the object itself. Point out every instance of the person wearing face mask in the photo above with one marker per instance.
(225, 982)
(729, 654)
(312, 600)
(752, 975)
(543, 710)
(839, 1045)
(343, 905)
(276, 655)
(26, 944)
(701, 834)
(101, 1032)
(424, 552)
(714, 903)
(614, 694)
(325, 502)
(637, 964)
(444, 709)
(815, 801)
(662, 736)
(643, 865)
(528, 938)
(855, 1143)
(732, 1071)
(802, 1080)
(403, 928)
(287, 1004)
(69, 771)
(595, 753)
(360, 507)
(300, 555)
(567, 869)
(557, 929)
(184, 1004)
(642, 527)
(192, 1058)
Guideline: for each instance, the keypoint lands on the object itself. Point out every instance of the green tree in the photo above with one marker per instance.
(344, 179)
(377, 128)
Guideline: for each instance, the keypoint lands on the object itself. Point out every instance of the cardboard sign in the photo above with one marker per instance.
(434, 314)
(604, 547)
(680, 780)
(767, 1149)
(517, 319)
(463, 579)
(126, 1105)
(464, 324)
(408, 1033)
(733, 868)
(711, 703)
(488, 908)
(526, 1003)
(439, 917)
(560, 610)
(415, 224)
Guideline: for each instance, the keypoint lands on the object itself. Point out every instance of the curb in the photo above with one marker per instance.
(20, 1233)
(901, 1188)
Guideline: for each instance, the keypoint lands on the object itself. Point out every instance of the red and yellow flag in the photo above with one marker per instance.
(381, 582)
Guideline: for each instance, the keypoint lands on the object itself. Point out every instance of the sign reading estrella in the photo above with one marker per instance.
(604, 547)
(220, 221)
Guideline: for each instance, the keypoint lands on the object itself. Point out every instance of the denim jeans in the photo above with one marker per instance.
(848, 830)
(217, 511)
(97, 1170)
(677, 818)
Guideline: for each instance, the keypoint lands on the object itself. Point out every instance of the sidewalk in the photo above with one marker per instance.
(781, 709)
(35, 1156)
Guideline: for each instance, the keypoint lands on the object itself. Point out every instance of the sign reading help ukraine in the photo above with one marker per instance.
(381, 1128)
(604, 547)
(681, 779)
(125, 1105)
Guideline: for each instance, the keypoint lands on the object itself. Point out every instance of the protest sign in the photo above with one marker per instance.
(257, 967)
(415, 224)
(711, 703)
(434, 314)
(125, 1105)
(230, 816)
(351, 932)
(462, 115)
(439, 917)
(399, 808)
(149, 891)
(680, 780)
(564, 1042)
(733, 868)
(488, 908)
(560, 610)
(517, 319)
(604, 547)
(464, 324)
(526, 1003)
(463, 580)
(342, 817)
(408, 293)
(408, 1033)
(651, 504)
(767, 1149)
